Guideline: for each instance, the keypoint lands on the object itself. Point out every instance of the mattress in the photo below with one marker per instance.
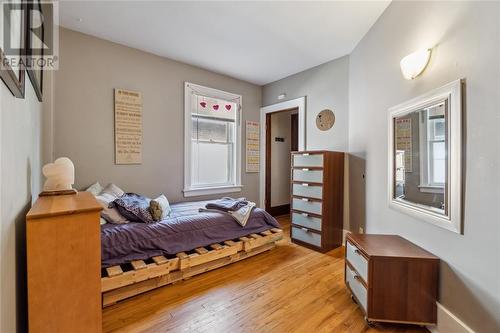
(185, 229)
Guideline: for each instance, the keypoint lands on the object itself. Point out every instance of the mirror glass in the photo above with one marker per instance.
(420, 157)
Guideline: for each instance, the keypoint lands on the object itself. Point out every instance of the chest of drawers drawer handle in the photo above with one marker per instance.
(305, 169)
(305, 214)
(305, 199)
(306, 154)
(305, 229)
(305, 184)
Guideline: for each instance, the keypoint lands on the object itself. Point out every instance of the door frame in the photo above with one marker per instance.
(297, 103)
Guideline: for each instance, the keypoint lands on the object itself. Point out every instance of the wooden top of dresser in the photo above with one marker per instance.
(389, 246)
(63, 205)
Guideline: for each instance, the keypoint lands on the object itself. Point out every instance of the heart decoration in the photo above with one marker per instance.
(203, 104)
(216, 107)
(228, 107)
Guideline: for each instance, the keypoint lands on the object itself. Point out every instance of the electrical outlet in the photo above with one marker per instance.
(361, 230)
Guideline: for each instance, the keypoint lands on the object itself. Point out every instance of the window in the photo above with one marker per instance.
(212, 141)
(433, 149)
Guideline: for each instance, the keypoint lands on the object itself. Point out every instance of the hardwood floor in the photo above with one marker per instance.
(288, 289)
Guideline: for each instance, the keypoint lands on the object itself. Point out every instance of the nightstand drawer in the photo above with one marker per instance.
(357, 261)
(357, 287)
(306, 236)
(307, 175)
(308, 160)
(306, 190)
(306, 221)
(307, 205)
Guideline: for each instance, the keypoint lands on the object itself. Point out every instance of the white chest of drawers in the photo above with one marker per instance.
(317, 199)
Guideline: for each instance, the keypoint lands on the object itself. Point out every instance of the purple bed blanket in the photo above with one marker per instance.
(185, 229)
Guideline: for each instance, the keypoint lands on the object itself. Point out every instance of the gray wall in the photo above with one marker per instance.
(20, 181)
(83, 111)
(466, 35)
(325, 87)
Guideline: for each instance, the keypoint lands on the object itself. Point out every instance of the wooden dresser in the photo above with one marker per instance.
(64, 264)
(392, 279)
(317, 201)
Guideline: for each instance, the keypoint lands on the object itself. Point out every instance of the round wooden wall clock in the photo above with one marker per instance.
(325, 120)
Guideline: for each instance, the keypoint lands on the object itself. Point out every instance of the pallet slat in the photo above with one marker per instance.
(182, 255)
(201, 250)
(216, 247)
(160, 260)
(114, 271)
(138, 264)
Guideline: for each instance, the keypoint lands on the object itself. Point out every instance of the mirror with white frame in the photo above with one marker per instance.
(425, 155)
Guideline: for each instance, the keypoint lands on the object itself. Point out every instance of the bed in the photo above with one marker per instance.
(137, 257)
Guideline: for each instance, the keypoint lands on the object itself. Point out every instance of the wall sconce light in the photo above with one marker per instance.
(415, 63)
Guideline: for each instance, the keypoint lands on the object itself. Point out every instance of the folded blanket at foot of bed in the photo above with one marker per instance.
(227, 204)
(184, 230)
(238, 209)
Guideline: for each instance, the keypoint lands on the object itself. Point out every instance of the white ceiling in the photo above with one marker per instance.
(259, 42)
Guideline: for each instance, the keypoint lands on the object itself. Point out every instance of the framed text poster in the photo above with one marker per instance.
(128, 127)
(252, 146)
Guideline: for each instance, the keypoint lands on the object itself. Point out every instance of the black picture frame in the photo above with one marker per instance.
(15, 83)
(35, 75)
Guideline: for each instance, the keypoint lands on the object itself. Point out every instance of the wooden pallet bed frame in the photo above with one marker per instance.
(127, 280)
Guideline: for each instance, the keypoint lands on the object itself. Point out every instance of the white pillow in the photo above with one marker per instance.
(95, 189)
(113, 190)
(165, 206)
(105, 197)
(112, 215)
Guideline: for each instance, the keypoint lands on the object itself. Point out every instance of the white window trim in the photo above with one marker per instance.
(426, 186)
(454, 191)
(189, 190)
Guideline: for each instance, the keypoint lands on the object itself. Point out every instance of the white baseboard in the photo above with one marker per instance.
(447, 322)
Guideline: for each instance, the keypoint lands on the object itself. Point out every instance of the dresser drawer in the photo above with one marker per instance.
(306, 221)
(308, 160)
(307, 175)
(306, 236)
(306, 190)
(357, 287)
(359, 262)
(307, 205)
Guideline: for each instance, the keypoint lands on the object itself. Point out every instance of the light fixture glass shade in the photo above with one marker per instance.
(414, 64)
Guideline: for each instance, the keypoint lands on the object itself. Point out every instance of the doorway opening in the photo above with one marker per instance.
(282, 137)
